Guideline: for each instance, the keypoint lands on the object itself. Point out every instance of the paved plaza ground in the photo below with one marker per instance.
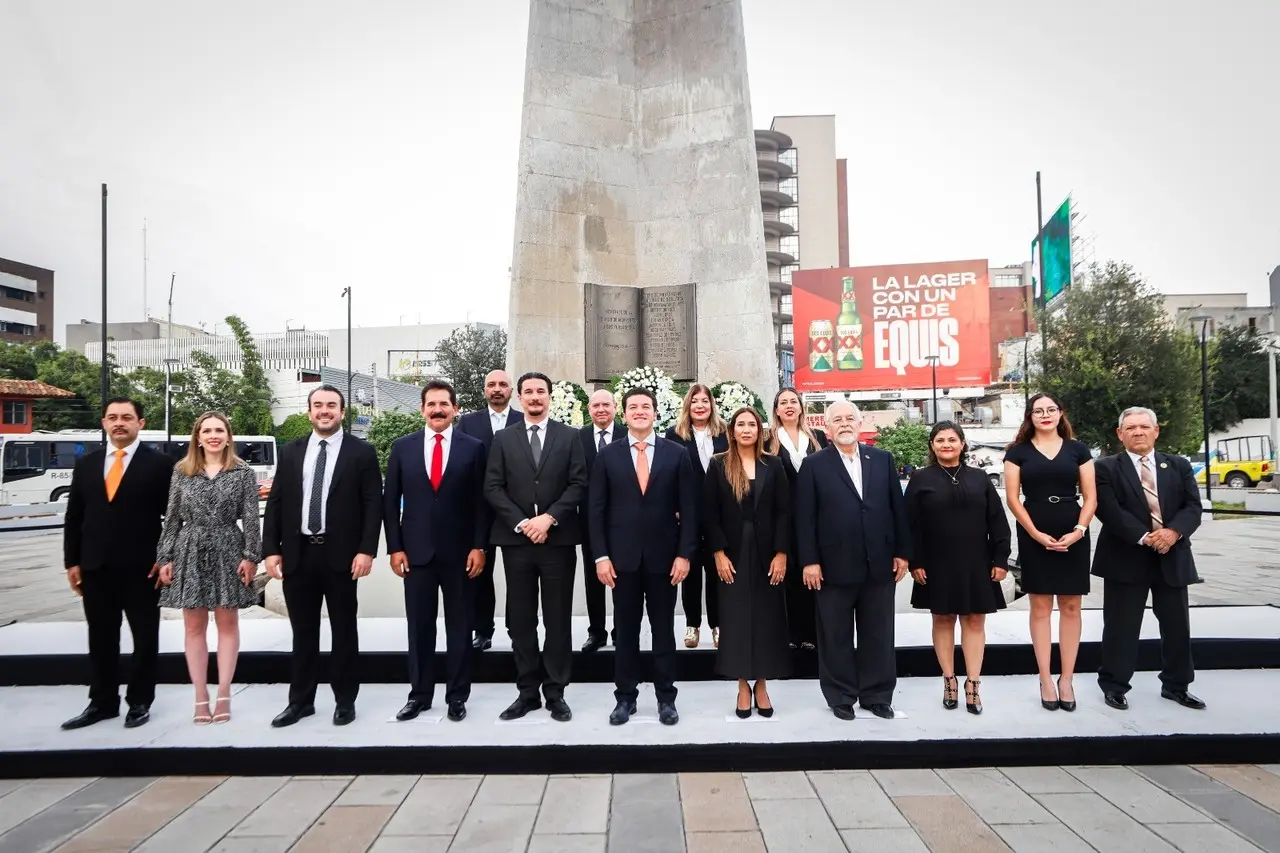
(1220, 809)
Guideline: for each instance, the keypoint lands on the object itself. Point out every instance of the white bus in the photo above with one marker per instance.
(36, 467)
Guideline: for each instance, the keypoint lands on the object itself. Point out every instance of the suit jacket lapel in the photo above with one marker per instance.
(1166, 485)
(548, 442)
(341, 464)
(865, 459)
(1130, 474)
(764, 471)
(838, 463)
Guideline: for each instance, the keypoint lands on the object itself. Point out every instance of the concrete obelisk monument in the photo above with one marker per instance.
(639, 237)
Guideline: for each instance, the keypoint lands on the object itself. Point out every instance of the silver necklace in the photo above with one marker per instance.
(955, 479)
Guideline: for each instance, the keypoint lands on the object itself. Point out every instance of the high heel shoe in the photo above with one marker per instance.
(764, 712)
(743, 713)
(1049, 704)
(1063, 703)
(222, 716)
(201, 719)
(950, 699)
(972, 701)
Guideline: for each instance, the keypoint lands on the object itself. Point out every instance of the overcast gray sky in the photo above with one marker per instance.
(280, 151)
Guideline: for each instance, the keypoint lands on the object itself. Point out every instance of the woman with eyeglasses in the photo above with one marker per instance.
(1055, 475)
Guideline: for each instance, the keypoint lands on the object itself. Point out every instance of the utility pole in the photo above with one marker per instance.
(145, 315)
(106, 374)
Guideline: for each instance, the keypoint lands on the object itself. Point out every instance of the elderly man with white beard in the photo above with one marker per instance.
(853, 542)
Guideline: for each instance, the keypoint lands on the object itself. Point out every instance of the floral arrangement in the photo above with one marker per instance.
(657, 381)
(731, 396)
(568, 403)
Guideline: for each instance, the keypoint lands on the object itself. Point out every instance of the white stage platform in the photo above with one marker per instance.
(1240, 724)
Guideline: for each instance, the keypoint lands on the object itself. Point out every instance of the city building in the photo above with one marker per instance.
(17, 403)
(804, 199)
(79, 335)
(1222, 309)
(26, 302)
(1012, 318)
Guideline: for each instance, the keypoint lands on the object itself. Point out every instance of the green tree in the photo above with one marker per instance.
(1111, 347)
(908, 441)
(465, 356)
(250, 413)
(17, 361)
(386, 427)
(296, 426)
(1238, 383)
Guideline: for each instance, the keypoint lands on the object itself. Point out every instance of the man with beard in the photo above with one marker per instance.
(320, 534)
(437, 527)
(484, 425)
(534, 481)
(596, 436)
(853, 541)
(118, 499)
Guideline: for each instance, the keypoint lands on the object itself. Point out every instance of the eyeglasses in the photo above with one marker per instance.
(1052, 410)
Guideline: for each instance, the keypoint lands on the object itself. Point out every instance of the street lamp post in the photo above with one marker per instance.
(347, 293)
(168, 404)
(1204, 319)
(933, 361)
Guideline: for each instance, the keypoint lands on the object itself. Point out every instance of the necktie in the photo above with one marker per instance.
(114, 475)
(315, 518)
(535, 444)
(1149, 489)
(437, 462)
(642, 466)
(600, 445)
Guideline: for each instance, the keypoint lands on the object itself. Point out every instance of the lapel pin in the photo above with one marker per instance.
(1164, 464)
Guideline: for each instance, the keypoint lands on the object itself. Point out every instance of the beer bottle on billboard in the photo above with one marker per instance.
(849, 330)
(821, 350)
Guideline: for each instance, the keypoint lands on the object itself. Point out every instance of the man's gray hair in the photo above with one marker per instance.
(857, 413)
(1138, 410)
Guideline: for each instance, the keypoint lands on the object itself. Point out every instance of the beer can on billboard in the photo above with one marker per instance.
(821, 345)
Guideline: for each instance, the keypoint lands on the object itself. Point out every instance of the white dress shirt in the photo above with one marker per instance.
(1155, 479)
(498, 420)
(606, 432)
(853, 464)
(703, 441)
(542, 440)
(308, 478)
(795, 451)
(111, 459)
(429, 448)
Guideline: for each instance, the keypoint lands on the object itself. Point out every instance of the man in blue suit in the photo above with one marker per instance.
(484, 425)
(437, 544)
(853, 541)
(643, 518)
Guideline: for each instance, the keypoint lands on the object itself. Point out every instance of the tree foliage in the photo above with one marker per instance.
(386, 427)
(72, 371)
(251, 411)
(908, 441)
(465, 356)
(296, 426)
(1238, 382)
(1111, 347)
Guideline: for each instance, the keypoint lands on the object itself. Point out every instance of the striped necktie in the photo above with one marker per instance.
(1149, 489)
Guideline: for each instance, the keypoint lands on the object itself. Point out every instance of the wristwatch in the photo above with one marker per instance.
(1082, 528)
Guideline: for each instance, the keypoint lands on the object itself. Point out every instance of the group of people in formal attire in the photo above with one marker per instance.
(795, 538)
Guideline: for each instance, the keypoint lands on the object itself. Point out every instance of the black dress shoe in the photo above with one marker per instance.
(344, 715)
(1183, 698)
(1116, 700)
(519, 708)
(1065, 704)
(291, 715)
(594, 642)
(883, 710)
(560, 711)
(667, 714)
(457, 710)
(843, 712)
(412, 709)
(137, 716)
(482, 643)
(622, 713)
(89, 716)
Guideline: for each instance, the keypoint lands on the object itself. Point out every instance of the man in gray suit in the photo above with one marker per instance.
(535, 479)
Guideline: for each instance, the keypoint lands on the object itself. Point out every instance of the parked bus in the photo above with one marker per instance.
(36, 467)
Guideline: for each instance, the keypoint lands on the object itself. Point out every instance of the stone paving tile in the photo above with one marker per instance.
(1180, 779)
(260, 844)
(778, 786)
(495, 828)
(412, 844)
(994, 798)
(377, 791)
(1202, 838)
(195, 829)
(1139, 798)
(1102, 825)
(143, 816)
(724, 842)
(912, 783)
(645, 815)
(244, 791)
(69, 815)
(797, 825)
(1042, 838)
(344, 829)
(34, 798)
(1045, 780)
(568, 843)
(1236, 811)
(883, 841)
(575, 806)
(435, 806)
(948, 825)
(290, 811)
(1249, 780)
(716, 802)
(1273, 769)
(512, 790)
(855, 800)
(9, 785)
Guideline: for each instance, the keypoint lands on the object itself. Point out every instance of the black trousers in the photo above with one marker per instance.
(423, 588)
(703, 565)
(109, 594)
(548, 569)
(867, 672)
(1123, 605)
(595, 595)
(306, 586)
(485, 598)
(633, 593)
(802, 626)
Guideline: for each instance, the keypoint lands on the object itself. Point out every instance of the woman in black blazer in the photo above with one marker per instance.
(747, 523)
(791, 440)
(702, 432)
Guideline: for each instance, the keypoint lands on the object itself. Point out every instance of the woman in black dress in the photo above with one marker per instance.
(792, 441)
(747, 523)
(960, 555)
(1049, 465)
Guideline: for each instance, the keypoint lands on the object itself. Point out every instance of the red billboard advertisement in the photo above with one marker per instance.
(874, 328)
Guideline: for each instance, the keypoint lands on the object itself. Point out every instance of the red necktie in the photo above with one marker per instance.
(437, 462)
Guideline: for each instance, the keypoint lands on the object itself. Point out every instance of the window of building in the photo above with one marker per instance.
(790, 245)
(15, 293)
(791, 187)
(787, 271)
(788, 335)
(790, 215)
(785, 303)
(16, 328)
(15, 412)
(788, 156)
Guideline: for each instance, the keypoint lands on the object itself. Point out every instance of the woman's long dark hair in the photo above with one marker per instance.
(734, 471)
(1028, 428)
(943, 426)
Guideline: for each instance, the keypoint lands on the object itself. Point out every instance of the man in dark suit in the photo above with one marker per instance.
(114, 514)
(484, 425)
(535, 479)
(1149, 506)
(320, 535)
(596, 436)
(643, 515)
(437, 544)
(853, 542)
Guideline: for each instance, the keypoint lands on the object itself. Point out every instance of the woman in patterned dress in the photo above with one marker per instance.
(207, 562)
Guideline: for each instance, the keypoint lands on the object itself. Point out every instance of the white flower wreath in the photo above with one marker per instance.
(662, 386)
(567, 404)
(731, 396)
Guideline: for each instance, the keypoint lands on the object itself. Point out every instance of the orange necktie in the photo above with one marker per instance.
(114, 475)
(642, 466)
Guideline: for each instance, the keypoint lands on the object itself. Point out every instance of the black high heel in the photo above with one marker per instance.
(764, 712)
(1063, 703)
(743, 713)
(950, 699)
(1049, 705)
(974, 707)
